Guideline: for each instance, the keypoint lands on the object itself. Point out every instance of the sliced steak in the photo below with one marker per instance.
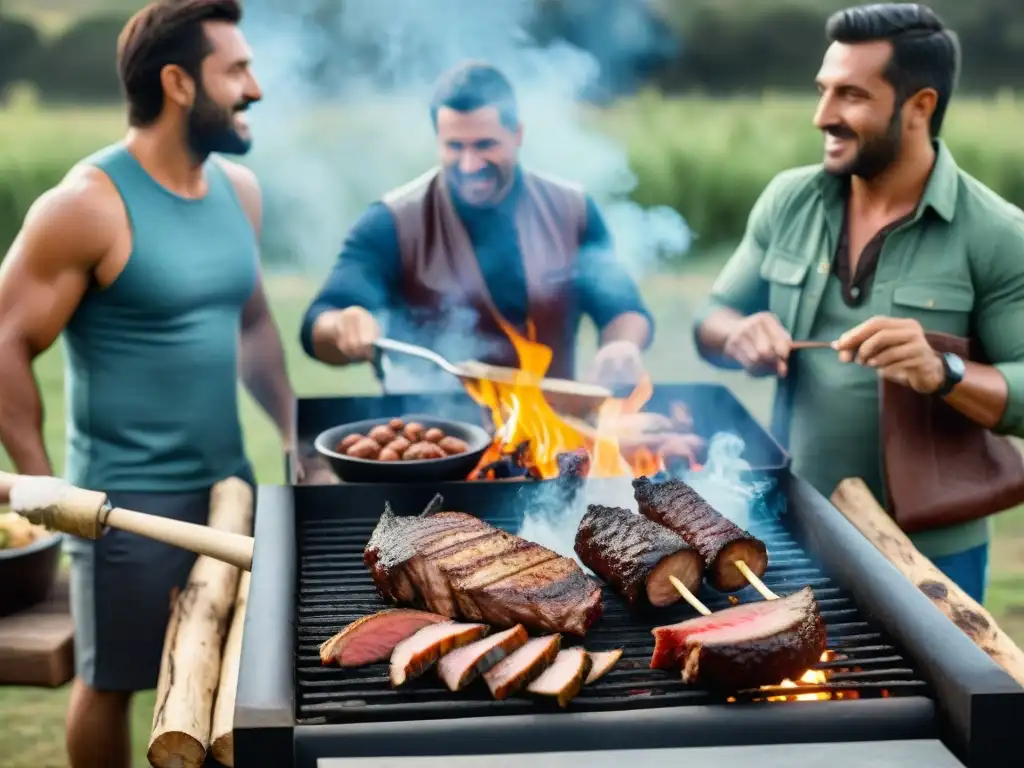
(564, 678)
(601, 663)
(555, 595)
(373, 638)
(678, 507)
(415, 655)
(636, 556)
(747, 646)
(463, 665)
(522, 667)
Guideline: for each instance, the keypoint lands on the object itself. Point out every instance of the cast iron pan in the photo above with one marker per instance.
(352, 470)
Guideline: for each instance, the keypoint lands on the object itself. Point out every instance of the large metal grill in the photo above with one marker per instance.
(335, 589)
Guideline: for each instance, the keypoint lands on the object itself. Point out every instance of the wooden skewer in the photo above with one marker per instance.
(689, 597)
(810, 345)
(755, 582)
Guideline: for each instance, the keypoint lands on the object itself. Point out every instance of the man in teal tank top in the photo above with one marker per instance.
(145, 257)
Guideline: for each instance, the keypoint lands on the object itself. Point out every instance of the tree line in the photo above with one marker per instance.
(716, 46)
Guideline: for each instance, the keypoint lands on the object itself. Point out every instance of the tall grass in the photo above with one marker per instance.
(707, 158)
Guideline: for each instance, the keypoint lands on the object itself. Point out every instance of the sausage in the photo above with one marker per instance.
(397, 425)
(423, 450)
(414, 431)
(434, 435)
(399, 445)
(382, 434)
(389, 454)
(347, 442)
(453, 445)
(364, 449)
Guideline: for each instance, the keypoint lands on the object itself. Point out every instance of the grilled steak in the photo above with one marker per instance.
(636, 556)
(460, 567)
(747, 646)
(373, 638)
(415, 655)
(601, 663)
(678, 507)
(564, 678)
(462, 666)
(522, 667)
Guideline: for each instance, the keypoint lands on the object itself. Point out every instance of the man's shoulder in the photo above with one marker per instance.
(794, 184)
(987, 212)
(555, 181)
(409, 193)
(246, 185)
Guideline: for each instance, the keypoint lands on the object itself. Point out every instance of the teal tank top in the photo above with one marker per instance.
(151, 362)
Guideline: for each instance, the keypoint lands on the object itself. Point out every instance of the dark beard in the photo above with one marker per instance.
(211, 128)
(493, 172)
(877, 154)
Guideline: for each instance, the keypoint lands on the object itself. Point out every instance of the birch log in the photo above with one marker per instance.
(854, 499)
(190, 667)
(222, 743)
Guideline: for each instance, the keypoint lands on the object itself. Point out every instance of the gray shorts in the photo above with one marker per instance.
(121, 593)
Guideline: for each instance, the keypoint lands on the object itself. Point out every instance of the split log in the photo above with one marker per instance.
(190, 667)
(853, 498)
(223, 741)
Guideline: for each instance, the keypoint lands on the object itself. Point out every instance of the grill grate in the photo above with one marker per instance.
(335, 589)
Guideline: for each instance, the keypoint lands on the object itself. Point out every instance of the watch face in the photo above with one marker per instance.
(956, 365)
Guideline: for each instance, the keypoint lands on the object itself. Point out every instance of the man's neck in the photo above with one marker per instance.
(165, 155)
(900, 187)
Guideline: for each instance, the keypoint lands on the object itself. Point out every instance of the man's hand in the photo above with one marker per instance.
(617, 363)
(897, 349)
(352, 330)
(760, 344)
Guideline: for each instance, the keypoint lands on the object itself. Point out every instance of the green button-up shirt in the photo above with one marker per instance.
(957, 266)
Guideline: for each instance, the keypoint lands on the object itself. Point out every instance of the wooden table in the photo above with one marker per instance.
(37, 645)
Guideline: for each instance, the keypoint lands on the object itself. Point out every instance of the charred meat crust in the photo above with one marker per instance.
(624, 548)
(461, 567)
(763, 661)
(678, 507)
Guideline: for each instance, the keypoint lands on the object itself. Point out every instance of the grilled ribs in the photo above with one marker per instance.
(678, 507)
(635, 556)
(748, 646)
(458, 566)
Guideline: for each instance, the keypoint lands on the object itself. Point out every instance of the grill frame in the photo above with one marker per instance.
(975, 708)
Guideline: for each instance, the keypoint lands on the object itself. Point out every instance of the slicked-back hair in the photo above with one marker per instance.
(925, 52)
(473, 85)
(162, 33)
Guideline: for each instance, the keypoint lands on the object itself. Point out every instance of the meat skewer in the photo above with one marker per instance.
(746, 646)
(731, 555)
(636, 556)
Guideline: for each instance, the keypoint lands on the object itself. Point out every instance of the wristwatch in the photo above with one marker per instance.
(954, 368)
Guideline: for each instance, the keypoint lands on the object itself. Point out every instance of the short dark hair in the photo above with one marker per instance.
(472, 85)
(925, 52)
(165, 32)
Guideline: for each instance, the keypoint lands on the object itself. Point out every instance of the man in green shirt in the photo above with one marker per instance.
(886, 239)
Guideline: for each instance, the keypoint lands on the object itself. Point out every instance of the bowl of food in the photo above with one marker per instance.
(29, 560)
(410, 449)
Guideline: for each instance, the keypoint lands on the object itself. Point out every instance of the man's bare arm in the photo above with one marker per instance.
(629, 326)
(47, 270)
(264, 372)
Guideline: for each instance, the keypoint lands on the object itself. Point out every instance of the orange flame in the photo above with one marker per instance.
(522, 416)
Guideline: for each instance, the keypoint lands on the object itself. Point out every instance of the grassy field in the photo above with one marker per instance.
(745, 139)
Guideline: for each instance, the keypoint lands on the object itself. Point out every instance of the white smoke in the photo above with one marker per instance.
(721, 481)
(334, 132)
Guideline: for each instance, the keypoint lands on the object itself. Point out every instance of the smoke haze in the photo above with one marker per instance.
(345, 113)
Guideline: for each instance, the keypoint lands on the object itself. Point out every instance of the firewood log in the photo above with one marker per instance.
(190, 667)
(853, 498)
(223, 741)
